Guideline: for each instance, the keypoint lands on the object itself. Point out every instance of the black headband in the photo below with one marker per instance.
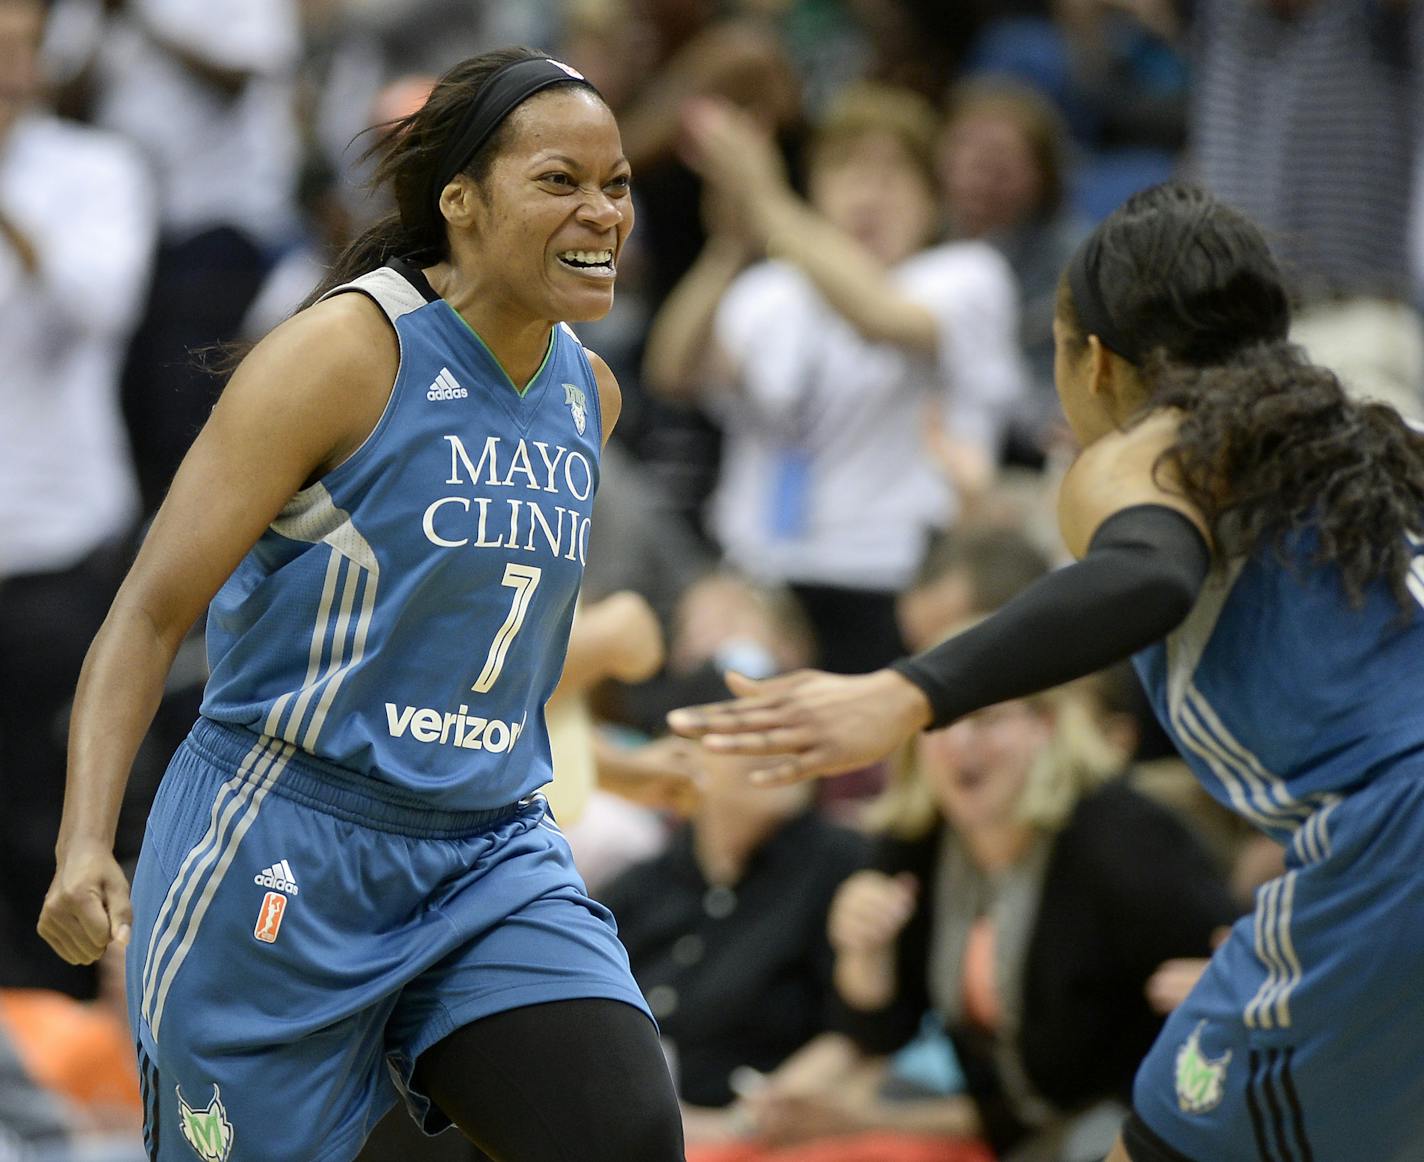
(508, 87)
(1093, 316)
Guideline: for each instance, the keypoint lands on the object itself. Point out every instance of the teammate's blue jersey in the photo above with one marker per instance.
(1284, 698)
(407, 616)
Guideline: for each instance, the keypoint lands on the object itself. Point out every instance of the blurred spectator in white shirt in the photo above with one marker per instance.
(76, 239)
(830, 365)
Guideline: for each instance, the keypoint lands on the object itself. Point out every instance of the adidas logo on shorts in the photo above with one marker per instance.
(445, 387)
(279, 876)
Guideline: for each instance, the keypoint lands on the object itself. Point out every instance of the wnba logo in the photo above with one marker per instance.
(269, 918)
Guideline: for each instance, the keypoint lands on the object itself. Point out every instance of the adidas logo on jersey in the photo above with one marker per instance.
(278, 876)
(445, 387)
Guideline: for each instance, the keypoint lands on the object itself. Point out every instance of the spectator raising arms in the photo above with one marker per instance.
(821, 363)
(76, 241)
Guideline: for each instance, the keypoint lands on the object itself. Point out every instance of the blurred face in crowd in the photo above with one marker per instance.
(871, 188)
(991, 179)
(21, 24)
(978, 768)
(726, 788)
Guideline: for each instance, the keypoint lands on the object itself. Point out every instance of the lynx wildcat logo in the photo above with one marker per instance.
(460, 728)
(207, 1130)
(1200, 1079)
(578, 406)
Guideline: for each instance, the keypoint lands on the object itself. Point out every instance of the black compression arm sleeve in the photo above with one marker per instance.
(1137, 582)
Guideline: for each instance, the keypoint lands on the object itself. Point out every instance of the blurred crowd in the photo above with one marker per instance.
(840, 442)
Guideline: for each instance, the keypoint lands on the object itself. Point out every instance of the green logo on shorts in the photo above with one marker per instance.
(207, 1130)
(1200, 1079)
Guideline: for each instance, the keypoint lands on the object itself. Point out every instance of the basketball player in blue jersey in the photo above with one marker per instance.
(1256, 539)
(349, 892)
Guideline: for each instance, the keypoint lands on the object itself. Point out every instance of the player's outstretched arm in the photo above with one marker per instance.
(1137, 582)
(814, 723)
(1145, 560)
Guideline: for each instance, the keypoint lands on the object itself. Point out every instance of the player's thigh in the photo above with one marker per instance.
(566, 1079)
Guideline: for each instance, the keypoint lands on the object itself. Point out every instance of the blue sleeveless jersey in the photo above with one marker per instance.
(406, 617)
(1284, 698)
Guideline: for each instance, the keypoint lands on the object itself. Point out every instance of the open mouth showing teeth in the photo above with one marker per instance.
(599, 260)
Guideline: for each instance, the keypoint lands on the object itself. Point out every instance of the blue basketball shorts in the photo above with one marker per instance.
(300, 939)
(1304, 1040)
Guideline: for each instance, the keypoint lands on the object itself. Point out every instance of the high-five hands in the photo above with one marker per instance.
(809, 722)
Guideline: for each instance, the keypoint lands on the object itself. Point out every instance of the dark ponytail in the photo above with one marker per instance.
(1269, 443)
(412, 153)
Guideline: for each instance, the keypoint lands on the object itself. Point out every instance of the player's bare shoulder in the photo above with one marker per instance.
(1120, 470)
(610, 395)
(329, 370)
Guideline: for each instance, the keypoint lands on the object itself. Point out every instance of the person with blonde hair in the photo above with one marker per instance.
(1021, 895)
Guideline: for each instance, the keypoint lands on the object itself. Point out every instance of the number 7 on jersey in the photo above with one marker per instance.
(523, 579)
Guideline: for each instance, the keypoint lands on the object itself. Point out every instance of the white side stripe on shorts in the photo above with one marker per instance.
(209, 872)
(228, 801)
(1270, 1007)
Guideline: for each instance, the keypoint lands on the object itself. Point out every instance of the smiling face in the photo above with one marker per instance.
(544, 230)
(978, 768)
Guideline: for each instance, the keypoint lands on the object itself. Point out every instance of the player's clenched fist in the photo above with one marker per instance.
(87, 906)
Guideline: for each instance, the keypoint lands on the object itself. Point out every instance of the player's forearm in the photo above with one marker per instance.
(120, 687)
(1135, 585)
